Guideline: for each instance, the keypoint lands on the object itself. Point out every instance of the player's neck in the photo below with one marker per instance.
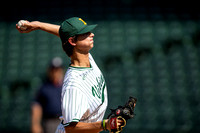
(80, 60)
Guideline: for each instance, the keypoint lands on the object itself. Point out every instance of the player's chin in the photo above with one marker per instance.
(92, 45)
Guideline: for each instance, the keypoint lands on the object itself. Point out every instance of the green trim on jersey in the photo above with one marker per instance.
(81, 67)
(67, 124)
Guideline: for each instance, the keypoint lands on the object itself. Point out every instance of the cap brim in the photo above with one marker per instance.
(88, 28)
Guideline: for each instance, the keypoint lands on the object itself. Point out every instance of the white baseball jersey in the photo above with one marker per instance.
(84, 95)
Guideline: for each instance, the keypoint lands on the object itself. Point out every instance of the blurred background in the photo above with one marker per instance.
(149, 49)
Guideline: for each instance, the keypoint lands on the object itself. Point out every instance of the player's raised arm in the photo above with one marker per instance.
(27, 27)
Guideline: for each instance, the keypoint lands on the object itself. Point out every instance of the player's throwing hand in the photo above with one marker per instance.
(35, 25)
(30, 26)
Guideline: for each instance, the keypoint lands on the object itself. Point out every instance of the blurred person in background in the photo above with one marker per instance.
(46, 107)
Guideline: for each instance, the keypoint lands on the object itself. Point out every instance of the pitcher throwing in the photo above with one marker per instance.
(84, 93)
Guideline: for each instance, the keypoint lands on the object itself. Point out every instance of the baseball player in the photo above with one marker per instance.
(84, 93)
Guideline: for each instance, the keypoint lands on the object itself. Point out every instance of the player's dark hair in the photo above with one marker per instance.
(68, 48)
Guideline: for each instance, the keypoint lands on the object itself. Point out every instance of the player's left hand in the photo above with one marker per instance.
(116, 124)
(119, 116)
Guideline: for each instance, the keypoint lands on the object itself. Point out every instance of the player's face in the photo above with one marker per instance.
(85, 41)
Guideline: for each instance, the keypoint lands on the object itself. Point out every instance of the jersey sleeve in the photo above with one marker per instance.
(74, 105)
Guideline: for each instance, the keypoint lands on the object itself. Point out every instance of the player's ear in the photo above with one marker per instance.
(72, 41)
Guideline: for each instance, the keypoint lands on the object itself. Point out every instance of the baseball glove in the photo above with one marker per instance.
(122, 113)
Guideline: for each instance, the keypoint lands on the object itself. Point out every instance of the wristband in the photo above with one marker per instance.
(103, 125)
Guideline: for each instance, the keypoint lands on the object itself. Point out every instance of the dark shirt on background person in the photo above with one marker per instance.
(46, 107)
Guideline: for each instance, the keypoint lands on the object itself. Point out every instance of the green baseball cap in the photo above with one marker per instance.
(73, 26)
